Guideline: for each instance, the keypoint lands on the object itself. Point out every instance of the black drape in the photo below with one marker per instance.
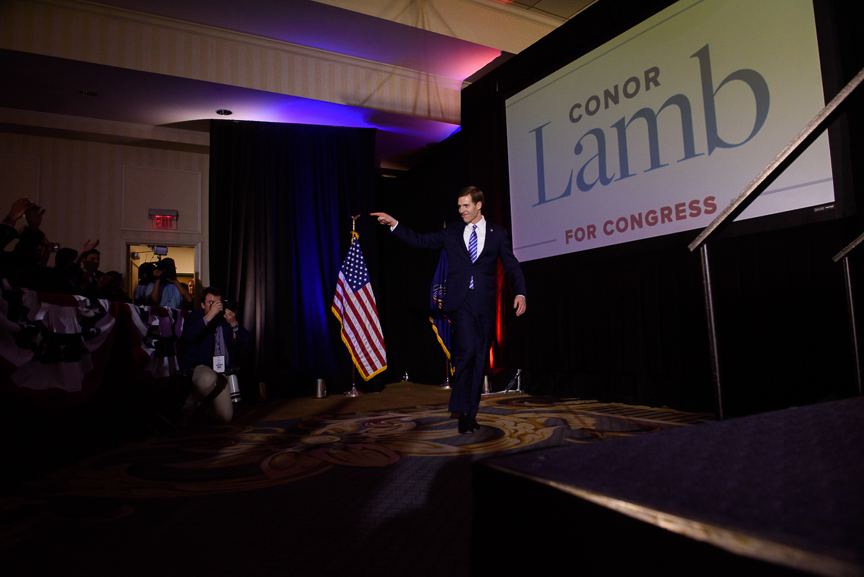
(423, 198)
(281, 197)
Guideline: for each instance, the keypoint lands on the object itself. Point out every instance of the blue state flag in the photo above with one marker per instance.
(440, 322)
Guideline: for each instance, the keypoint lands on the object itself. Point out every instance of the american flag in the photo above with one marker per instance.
(354, 306)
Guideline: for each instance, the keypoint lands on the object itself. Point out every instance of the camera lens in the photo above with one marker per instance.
(234, 388)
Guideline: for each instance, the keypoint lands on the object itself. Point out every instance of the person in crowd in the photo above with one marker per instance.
(88, 273)
(212, 335)
(110, 287)
(146, 279)
(8, 234)
(167, 291)
(37, 275)
(16, 212)
(189, 305)
(25, 264)
(64, 272)
(21, 266)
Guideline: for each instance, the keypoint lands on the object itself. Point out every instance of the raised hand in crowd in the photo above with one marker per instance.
(7, 228)
(89, 245)
(34, 214)
(21, 265)
(44, 252)
(85, 248)
(17, 210)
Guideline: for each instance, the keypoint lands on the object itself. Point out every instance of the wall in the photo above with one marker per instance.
(84, 192)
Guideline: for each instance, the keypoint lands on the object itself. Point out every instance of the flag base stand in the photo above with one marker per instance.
(353, 392)
(516, 380)
(446, 384)
(487, 388)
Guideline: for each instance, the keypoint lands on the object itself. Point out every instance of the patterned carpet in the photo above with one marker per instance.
(385, 492)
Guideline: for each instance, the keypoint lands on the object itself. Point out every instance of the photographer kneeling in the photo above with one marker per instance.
(212, 334)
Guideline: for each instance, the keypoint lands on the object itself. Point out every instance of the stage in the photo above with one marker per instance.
(777, 493)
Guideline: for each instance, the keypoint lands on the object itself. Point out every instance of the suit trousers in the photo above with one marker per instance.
(473, 333)
(207, 384)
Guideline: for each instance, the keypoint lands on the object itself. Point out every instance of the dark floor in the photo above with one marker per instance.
(386, 492)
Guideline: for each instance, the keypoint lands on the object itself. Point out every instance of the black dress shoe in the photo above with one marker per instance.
(465, 425)
(474, 424)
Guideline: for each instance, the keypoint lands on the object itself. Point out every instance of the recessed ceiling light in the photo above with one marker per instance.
(88, 92)
(224, 112)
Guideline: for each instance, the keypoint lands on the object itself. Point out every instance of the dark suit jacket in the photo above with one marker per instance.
(460, 269)
(201, 339)
(7, 234)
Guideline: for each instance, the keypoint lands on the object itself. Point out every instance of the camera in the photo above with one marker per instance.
(232, 306)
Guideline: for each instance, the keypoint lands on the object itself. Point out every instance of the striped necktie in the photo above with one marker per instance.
(472, 250)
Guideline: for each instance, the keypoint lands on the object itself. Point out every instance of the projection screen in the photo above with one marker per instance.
(657, 130)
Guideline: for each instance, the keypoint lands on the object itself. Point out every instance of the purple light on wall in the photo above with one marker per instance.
(291, 109)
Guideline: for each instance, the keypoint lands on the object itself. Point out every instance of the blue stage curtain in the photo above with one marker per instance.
(281, 197)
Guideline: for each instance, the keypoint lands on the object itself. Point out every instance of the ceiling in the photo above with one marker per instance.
(399, 65)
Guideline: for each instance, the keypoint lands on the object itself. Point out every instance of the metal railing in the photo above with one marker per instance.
(769, 174)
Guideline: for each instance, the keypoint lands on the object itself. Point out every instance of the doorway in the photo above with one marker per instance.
(186, 257)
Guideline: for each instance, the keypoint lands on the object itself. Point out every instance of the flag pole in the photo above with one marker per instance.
(440, 322)
(446, 384)
(354, 306)
(353, 392)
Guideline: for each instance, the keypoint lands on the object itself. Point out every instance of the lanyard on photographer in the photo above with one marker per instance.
(220, 351)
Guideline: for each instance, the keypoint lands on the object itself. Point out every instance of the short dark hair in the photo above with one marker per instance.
(65, 257)
(145, 272)
(87, 253)
(475, 193)
(166, 264)
(210, 290)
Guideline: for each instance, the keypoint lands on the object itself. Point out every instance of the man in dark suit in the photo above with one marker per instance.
(469, 300)
(211, 335)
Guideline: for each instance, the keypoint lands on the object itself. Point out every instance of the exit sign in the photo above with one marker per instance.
(163, 219)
